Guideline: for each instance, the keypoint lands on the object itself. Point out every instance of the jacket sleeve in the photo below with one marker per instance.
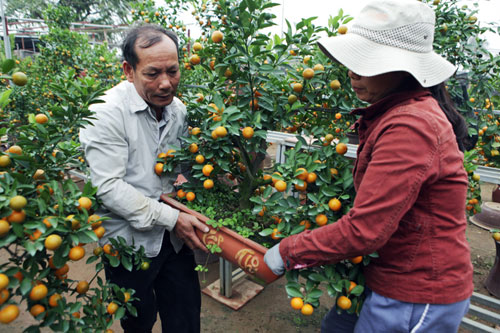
(403, 158)
(106, 151)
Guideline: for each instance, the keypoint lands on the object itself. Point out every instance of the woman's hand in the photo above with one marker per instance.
(274, 261)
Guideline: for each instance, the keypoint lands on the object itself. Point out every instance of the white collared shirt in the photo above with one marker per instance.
(121, 149)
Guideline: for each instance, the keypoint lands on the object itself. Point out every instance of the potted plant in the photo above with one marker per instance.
(252, 83)
(239, 250)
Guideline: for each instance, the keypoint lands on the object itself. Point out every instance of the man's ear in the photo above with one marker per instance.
(129, 71)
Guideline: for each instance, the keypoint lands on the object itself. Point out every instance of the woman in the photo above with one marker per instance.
(409, 176)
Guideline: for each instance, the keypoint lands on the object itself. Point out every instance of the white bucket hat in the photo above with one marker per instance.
(389, 36)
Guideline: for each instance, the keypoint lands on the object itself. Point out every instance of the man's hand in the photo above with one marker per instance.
(184, 229)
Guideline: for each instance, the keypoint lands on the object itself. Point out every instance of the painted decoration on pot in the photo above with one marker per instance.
(247, 260)
(212, 237)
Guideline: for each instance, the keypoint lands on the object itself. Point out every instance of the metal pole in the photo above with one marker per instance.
(225, 277)
(6, 39)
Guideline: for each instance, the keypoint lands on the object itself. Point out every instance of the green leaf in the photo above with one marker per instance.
(74, 238)
(65, 327)
(337, 286)
(132, 310)
(296, 105)
(87, 236)
(113, 261)
(120, 312)
(353, 272)
(4, 98)
(313, 198)
(234, 117)
(26, 286)
(358, 290)
(122, 241)
(328, 191)
(127, 264)
(6, 241)
(276, 196)
(92, 259)
(347, 20)
(59, 261)
(347, 183)
(292, 275)
(7, 65)
(331, 291)
(258, 201)
(297, 229)
(293, 292)
(302, 142)
(75, 307)
(18, 229)
(294, 284)
(218, 101)
(267, 68)
(30, 248)
(266, 232)
(315, 293)
(316, 277)
(89, 190)
(329, 271)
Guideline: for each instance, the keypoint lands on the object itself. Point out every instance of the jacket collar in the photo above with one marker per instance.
(137, 104)
(375, 110)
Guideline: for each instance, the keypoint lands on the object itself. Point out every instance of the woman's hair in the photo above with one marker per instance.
(144, 36)
(442, 96)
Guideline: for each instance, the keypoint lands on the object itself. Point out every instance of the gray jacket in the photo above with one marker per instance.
(121, 149)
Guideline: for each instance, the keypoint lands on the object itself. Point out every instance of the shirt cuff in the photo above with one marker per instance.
(168, 217)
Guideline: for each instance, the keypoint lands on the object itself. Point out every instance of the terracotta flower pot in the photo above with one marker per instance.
(240, 251)
(489, 217)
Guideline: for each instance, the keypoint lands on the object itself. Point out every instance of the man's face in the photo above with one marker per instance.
(157, 74)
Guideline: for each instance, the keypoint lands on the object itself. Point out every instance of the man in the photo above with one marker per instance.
(139, 119)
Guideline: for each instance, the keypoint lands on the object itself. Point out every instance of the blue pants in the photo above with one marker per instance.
(170, 286)
(384, 314)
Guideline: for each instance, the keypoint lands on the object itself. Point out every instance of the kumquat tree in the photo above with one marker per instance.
(46, 219)
(254, 83)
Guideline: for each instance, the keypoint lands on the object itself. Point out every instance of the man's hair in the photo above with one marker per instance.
(144, 36)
